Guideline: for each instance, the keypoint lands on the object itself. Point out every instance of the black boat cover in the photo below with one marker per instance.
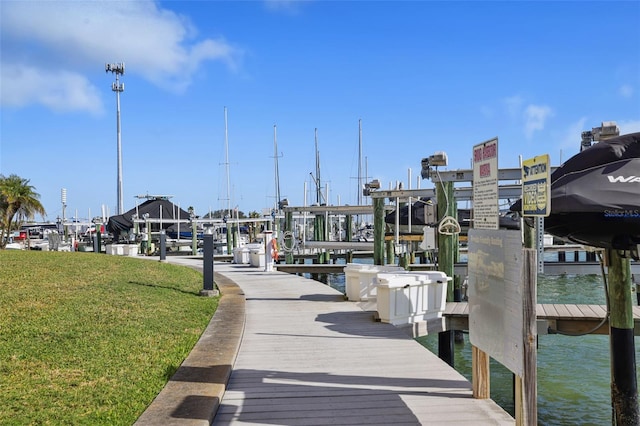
(124, 222)
(418, 215)
(595, 195)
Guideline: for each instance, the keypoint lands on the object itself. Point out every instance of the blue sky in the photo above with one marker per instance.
(421, 76)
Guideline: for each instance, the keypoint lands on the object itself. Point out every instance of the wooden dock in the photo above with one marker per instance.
(551, 268)
(308, 357)
(554, 318)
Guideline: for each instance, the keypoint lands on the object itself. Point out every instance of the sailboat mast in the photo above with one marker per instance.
(226, 161)
(318, 186)
(360, 162)
(275, 156)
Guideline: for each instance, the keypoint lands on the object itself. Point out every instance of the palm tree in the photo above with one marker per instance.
(18, 201)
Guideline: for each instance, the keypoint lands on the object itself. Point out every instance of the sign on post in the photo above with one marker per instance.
(536, 186)
(485, 185)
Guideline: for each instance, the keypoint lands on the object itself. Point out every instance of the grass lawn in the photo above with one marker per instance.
(91, 339)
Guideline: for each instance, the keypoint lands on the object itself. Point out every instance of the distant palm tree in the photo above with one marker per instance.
(18, 201)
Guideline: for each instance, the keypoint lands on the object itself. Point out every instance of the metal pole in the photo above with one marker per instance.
(118, 69)
(118, 89)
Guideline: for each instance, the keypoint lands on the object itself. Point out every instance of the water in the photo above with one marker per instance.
(573, 372)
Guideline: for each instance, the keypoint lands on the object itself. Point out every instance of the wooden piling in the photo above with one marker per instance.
(624, 387)
(378, 231)
(446, 263)
(288, 237)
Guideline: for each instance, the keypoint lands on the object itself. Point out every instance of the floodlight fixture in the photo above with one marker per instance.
(374, 184)
(438, 159)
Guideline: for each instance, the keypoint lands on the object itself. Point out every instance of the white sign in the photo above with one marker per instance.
(485, 185)
(496, 296)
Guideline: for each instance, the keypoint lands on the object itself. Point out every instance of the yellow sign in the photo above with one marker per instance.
(536, 186)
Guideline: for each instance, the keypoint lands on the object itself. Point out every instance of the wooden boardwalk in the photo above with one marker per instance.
(308, 357)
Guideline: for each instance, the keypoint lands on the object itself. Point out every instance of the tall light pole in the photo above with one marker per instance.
(118, 69)
(63, 199)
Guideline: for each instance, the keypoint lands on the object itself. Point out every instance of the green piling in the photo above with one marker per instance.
(378, 231)
(446, 258)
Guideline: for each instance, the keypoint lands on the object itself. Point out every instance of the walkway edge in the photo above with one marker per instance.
(193, 394)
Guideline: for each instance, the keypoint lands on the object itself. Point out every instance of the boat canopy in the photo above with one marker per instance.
(155, 209)
(595, 195)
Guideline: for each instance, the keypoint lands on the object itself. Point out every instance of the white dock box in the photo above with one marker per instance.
(405, 298)
(122, 249)
(241, 255)
(256, 255)
(360, 280)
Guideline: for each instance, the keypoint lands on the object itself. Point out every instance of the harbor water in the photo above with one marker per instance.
(573, 372)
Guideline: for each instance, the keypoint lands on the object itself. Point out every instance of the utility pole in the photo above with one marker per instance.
(118, 69)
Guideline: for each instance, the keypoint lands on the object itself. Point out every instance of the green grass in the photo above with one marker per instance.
(91, 339)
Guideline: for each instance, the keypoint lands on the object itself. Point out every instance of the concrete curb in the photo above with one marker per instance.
(193, 394)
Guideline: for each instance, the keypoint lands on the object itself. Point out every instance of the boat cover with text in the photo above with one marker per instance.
(595, 195)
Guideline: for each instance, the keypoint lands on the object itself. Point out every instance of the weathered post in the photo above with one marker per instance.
(624, 387)
(446, 258)
(348, 224)
(391, 252)
(319, 235)
(99, 238)
(229, 231)
(194, 237)
(288, 238)
(378, 231)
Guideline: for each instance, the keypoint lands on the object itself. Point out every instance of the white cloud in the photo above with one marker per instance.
(626, 91)
(535, 117)
(629, 126)
(487, 111)
(288, 6)
(571, 137)
(60, 91)
(514, 105)
(75, 37)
